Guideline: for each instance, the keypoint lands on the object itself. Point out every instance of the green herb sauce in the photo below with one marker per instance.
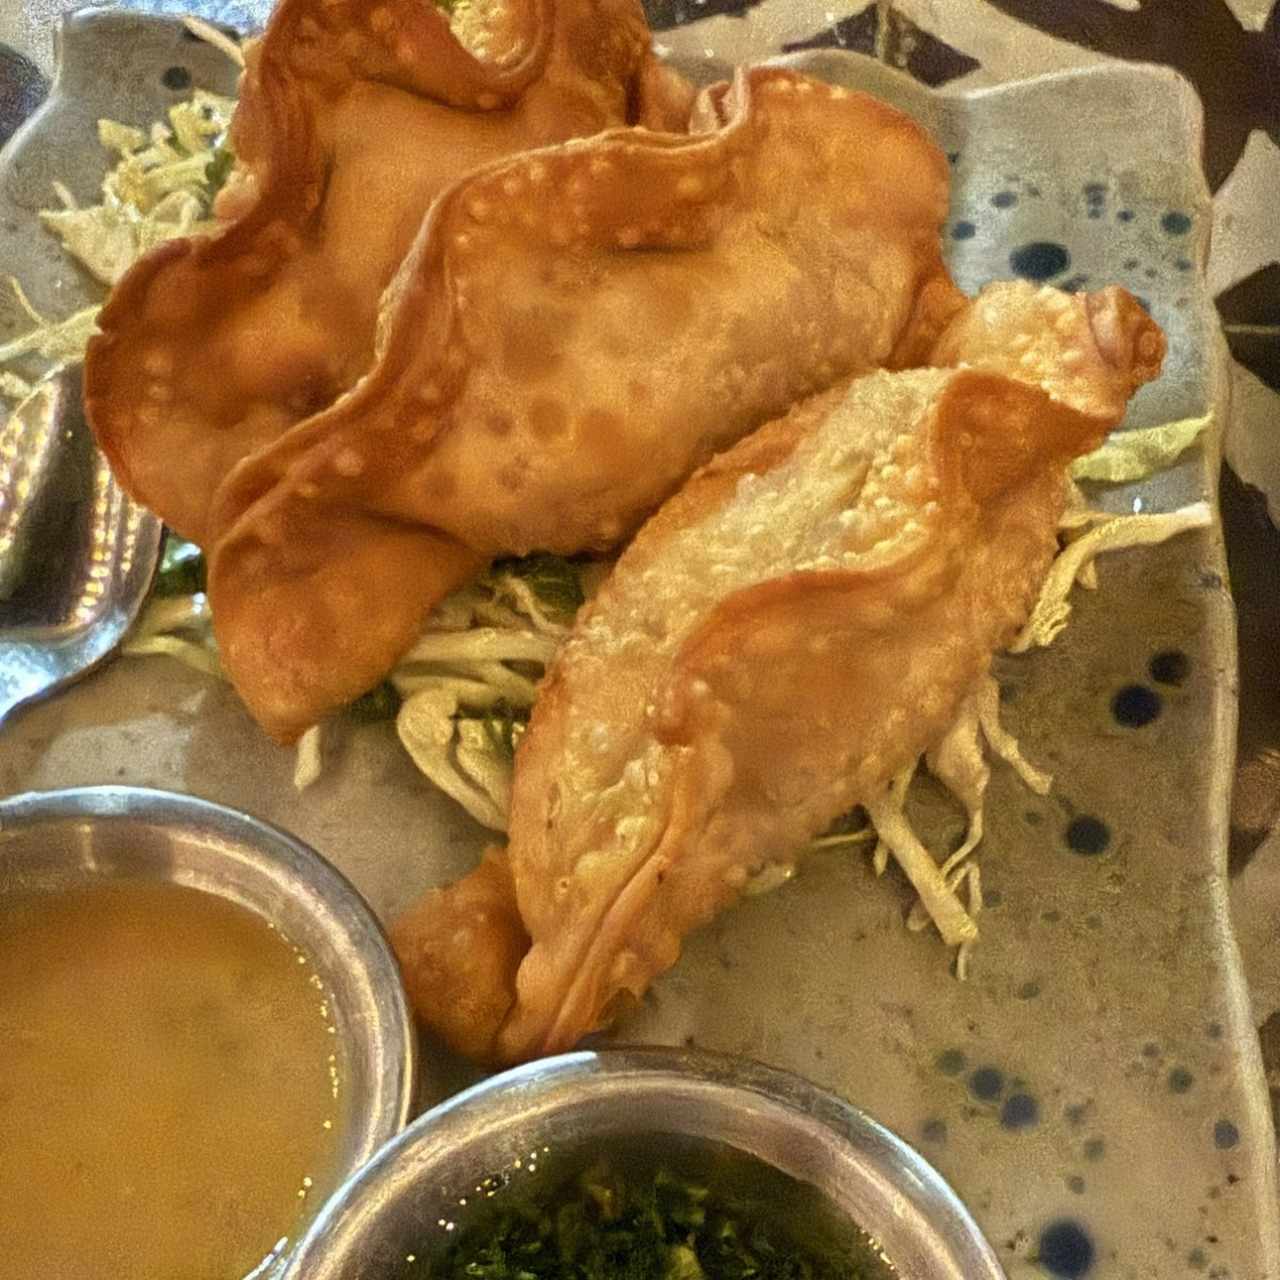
(637, 1220)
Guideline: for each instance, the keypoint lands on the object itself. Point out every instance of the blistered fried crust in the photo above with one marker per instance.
(797, 624)
(574, 331)
(1088, 350)
(353, 115)
(459, 948)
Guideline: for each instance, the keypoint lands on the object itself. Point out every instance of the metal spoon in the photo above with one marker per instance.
(77, 556)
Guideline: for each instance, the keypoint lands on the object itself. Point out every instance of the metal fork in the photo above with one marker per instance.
(77, 555)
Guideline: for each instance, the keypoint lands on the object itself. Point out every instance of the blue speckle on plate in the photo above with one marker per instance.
(1020, 1111)
(1180, 1080)
(1183, 264)
(1029, 990)
(934, 1130)
(1136, 705)
(176, 78)
(1075, 1184)
(1198, 1259)
(1004, 199)
(1095, 1149)
(963, 230)
(1131, 264)
(1175, 223)
(1039, 260)
(951, 1062)
(1225, 1135)
(1074, 284)
(1169, 666)
(1066, 1249)
(1126, 215)
(987, 1083)
(1088, 835)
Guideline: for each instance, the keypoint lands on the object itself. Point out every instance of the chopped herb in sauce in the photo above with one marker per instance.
(605, 1225)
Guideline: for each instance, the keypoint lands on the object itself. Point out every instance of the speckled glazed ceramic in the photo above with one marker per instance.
(1094, 1091)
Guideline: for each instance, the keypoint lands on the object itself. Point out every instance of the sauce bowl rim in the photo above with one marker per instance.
(337, 1243)
(230, 836)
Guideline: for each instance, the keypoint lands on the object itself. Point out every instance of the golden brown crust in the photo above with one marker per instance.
(459, 948)
(576, 329)
(789, 700)
(795, 625)
(352, 117)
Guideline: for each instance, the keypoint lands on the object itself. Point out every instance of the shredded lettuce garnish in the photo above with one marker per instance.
(958, 760)
(160, 186)
(471, 679)
(216, 37)
(179, 626)
(1136, 454)
(308, 762)
(894, 831)
(55, 342)
(1053, 607)
(461, 698)
(469, 684)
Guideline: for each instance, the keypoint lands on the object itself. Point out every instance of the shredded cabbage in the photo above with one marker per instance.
(469, 682)
(218, 39)
(308, 763)
(1133, 455)
(1053, 608)
(158, 189)
(953, 922)
(160, 186)
(468, 685)
(57, 342)
(958, 760)
(179, 627)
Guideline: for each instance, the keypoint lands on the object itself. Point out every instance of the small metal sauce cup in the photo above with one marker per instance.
(392, 1207)
(69, 839)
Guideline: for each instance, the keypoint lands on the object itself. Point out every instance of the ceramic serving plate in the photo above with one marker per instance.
(1094, 1091)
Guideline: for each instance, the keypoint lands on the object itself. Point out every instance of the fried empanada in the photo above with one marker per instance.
(575, 330)
(800, 622)
(353, 116)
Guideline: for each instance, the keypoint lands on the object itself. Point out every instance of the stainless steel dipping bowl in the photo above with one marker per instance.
(394, 1205)
(64, 839)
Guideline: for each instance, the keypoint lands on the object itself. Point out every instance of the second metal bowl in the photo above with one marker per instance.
(395, 1204)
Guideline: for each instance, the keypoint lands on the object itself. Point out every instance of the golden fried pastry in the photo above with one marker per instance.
(574, 331)
(798, 624)
(353, 116)
(459, 950)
